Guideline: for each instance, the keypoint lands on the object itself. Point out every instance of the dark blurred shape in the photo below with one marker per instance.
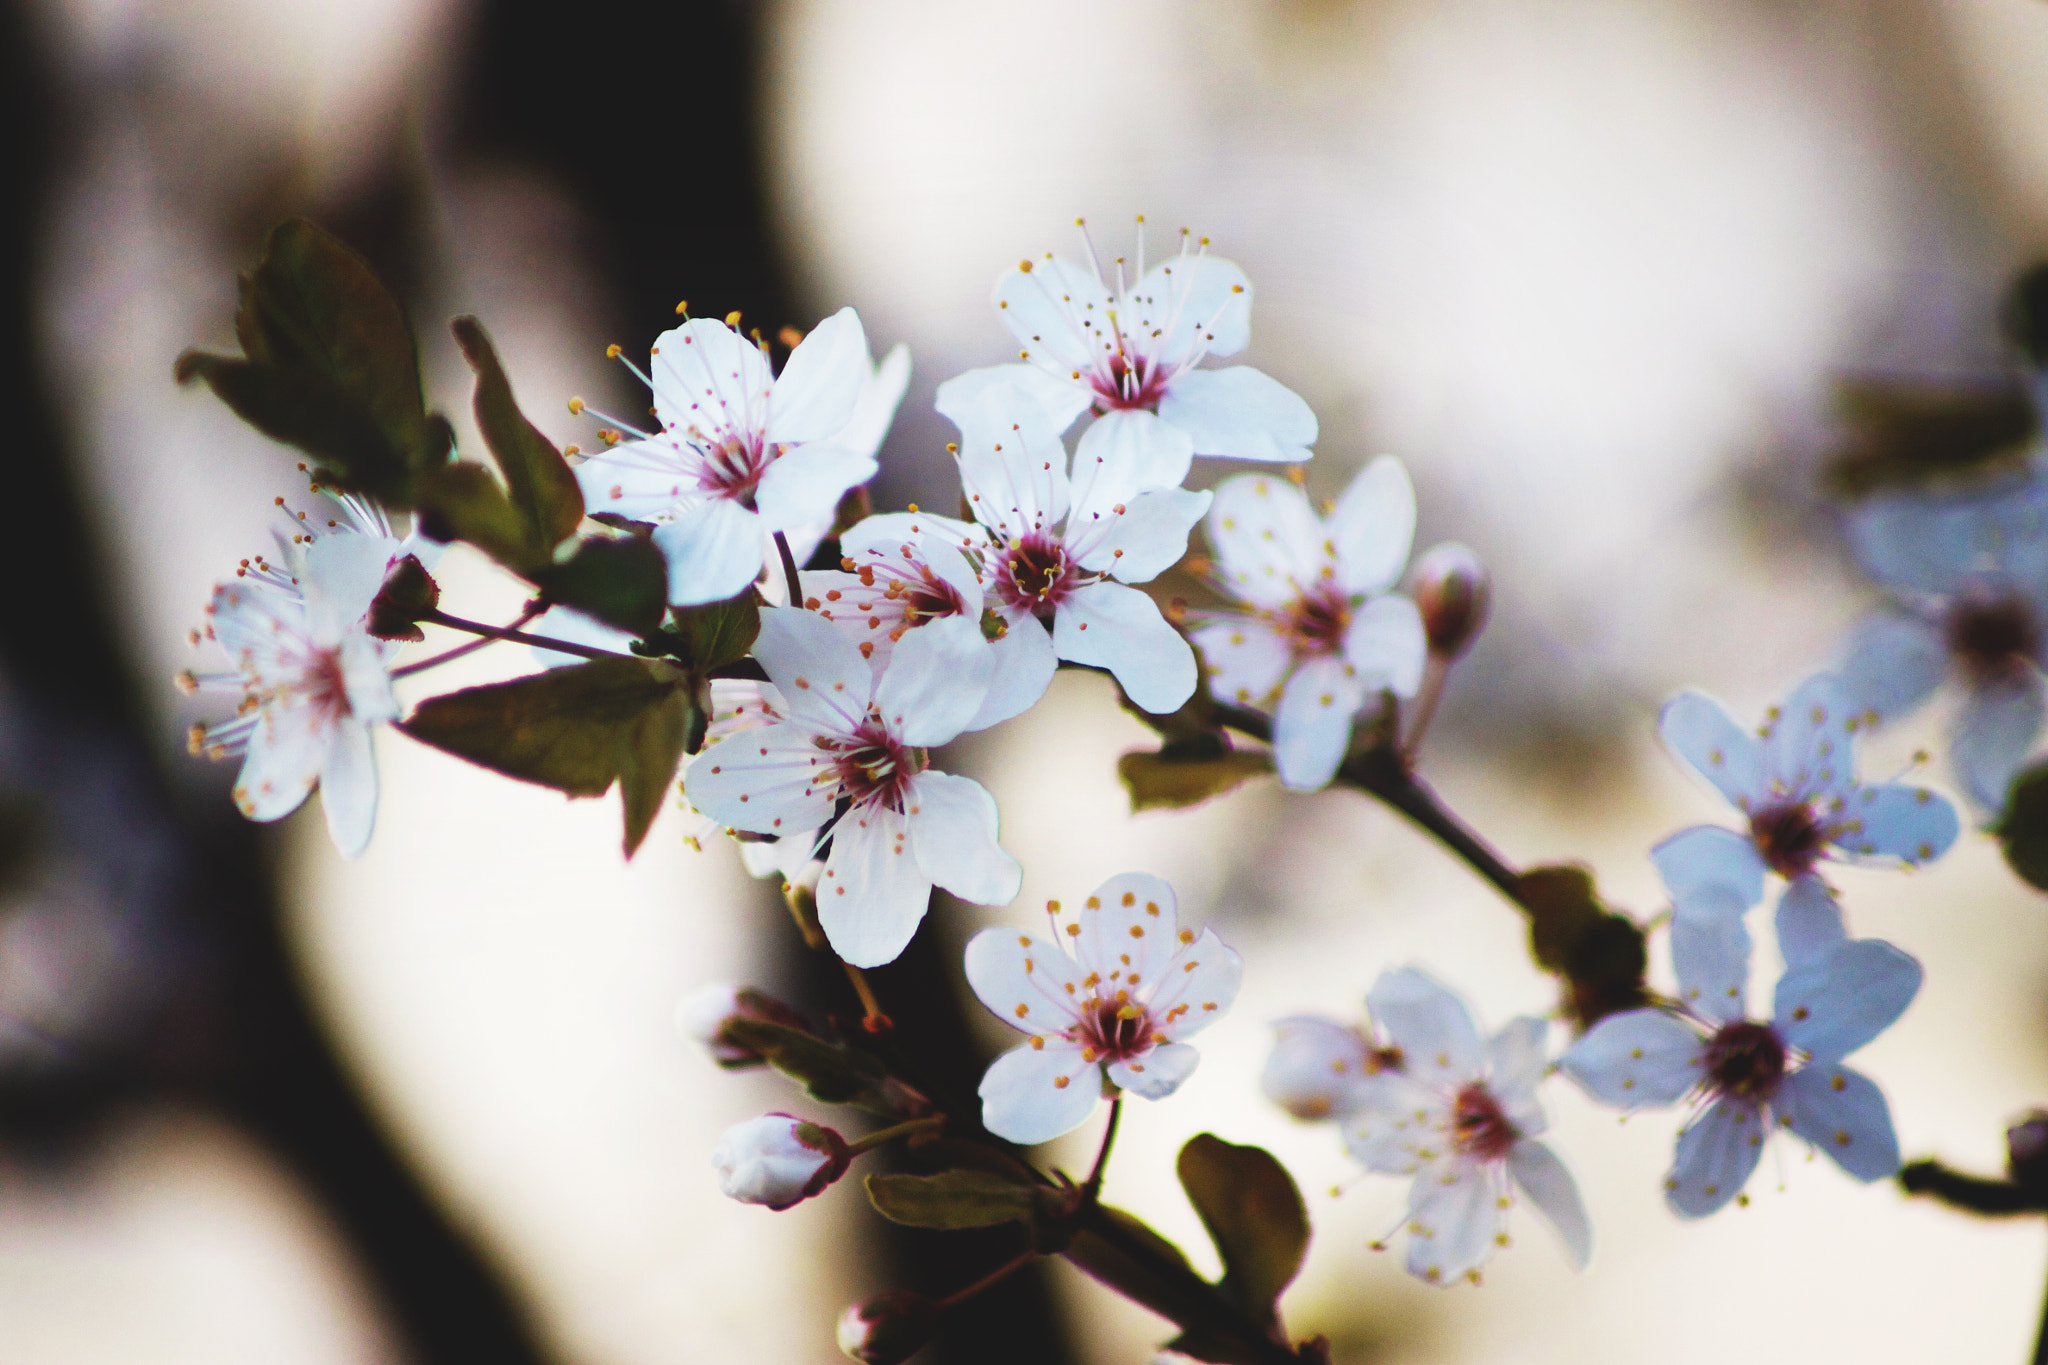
(2025, 314)
(1907, 433)
(2026, 1150)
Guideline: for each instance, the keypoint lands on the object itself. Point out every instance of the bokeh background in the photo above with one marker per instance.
(1593, 268)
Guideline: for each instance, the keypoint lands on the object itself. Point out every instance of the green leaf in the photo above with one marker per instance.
(951, 1199)
(465, 501)
(329, 365)
(717, 633)
(2022, 828)
(1253, 1213)
(541, 486)
(832, 1072)
(1138, 1263)
(622, 582)
(1173, 778)
(577, 729)
(1572, 933)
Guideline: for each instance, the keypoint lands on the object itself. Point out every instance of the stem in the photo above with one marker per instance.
(1093, 1185)
(796, 591)
(2041, 1339)
(930, 1124)
(875, 1021)
(520, 637)
(531, 610)
(1434, 672)
(1971, 1193)
(996, 1276)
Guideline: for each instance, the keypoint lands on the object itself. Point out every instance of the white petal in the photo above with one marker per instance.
(1013, 468)
(935, 681)
(773, 780)
(1026, 982)
(814, 396)
(1899, 820)
(1057, 311)
(344, 574)
(1398, 1117)
(873, 894)
(1265, 538)
(1386, 643)
(1705, 858)
(1716, 1155)
(1707, 737)
(953, 833)
(1843, 1113)
(1147, 538)
(1317, 1068)
(287, 750)
(881, 393)
(1550, 1187)
(1035, 1094)
(819, 672)
(1122, 454)
(713, 551)
(1811, 748)
(1809, 921)
(1241, 413)
(365, 678)
(1836, 1003)
(710, 380)
(1157, 1073)
(1245, 658)
(1429, 1024)
(1939, 544)
(1023, 669)
(888, 531)
(1999, 725)
(1373, 527)
(1199, 987)
(1063, 399)
(1710, 953)
(1312, 726)
(805, 484)
(1128, 927)
(348, 788)
(1892, 662)
(1120, 629)
(1458, 1207)
(640, 479)
(1198, 302)
(1636, 1058)
(1516, 1063)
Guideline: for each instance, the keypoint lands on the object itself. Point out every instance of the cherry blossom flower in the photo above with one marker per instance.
(848, 759)
(1754, 1076)
(1063, 548)
(1135, 348)
(312, 679)
(1795, 783)
(1325, 635)
(742, 452)
(1110, 1007)
(1969, 577)
(1462, 1118)
(1321, 1069)
(778, 1160)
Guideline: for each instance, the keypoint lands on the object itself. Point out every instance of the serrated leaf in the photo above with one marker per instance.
(832, 1072)
(1166, 781)
(1253, 1213)
(577, 729)
(2022, 828)
(622, 582)
(538, 481)
(951, 1199)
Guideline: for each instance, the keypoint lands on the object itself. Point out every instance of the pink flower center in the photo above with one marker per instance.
(733, 468)
(1789, 837)
(1992, 637)
(1315, 622)
(1115, 1031)
(1123, 381)
(1745, 1060)
(323, 686)
(873, 766)
(1036, 574)
(1479, 1126)
(929, 597)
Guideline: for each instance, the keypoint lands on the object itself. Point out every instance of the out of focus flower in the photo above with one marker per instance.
(1059, 550)
(742, 452)
(1795, 783)
(1321, 1069)
(1461, 1117)
(849, 759)
(887, 1329)
(1325, 634)
(1969, 575)
(702, 1015)
(778, 1160)
(1134, 349)
(1111, 1005)
(1755, 1076)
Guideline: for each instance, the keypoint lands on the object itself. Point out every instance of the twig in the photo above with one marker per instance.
(796, 590)
(532, 610)
(875, 1021)
(996, 1276)
(520, 637)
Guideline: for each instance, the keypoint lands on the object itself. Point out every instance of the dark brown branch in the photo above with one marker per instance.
(1971, 1193)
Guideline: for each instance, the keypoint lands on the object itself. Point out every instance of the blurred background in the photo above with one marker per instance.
(1591, 267)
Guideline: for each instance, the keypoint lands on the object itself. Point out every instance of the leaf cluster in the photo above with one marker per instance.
(1599, 955)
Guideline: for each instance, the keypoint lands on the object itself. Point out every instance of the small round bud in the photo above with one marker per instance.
(1454, 593)
(778, 1160)
(703, 1014)
(1317, 1068)
(888, 1328)
(2026, 1150)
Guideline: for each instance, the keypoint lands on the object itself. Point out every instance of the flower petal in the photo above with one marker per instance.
(1373, 527)
(365, 678)
(805, 484)
(1266, 540)
(711, 382)
(344, 574)
(820, 383)
(1516, 1063)
(873, 894)
(1120, 629)
(714, 550)
(935, 681)
(819, 672)
(1024, 981)
(1245, 658)
(1705, 858)
(1199, 303)
(1455, 1218)
(1710, 953)
(1199, 986)
(881, 393)
(1636, 1058)
(1550, 1187)
(1387, 645)
(1062, 398)
(1892, 662)
(1123, 453)
(1312, 725)
(1809, 921)
(1430, 1025)
(1843, 1113)
(1147, 538)
(1128, 924)
(1398, 1120)
(1899, 820)
(1033, 1094)
(1812, 741)
(1317, 1068)
(348, 788)
(953, 833)
(287, 750)
(1024, 665)
(773, 780)
(1999, 726)
(1707, 737)
(1013, 468)
(1058, 311)
(1241, 413)
(1836, 1003)
(1157, 1073)
(643, 480)
(1716, 1154)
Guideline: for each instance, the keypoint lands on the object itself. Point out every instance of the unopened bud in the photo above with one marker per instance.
(1454, 593)
(1319, 1067)
(778, 1160)
(2026, 1150)
(703, 1014)
(888, 1328)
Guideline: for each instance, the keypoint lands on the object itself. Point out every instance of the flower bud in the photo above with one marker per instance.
(778, 1160)
(2026, 1150)
(888, 1328)
(1318, 1067)
(703, 1013)
(1454, 593)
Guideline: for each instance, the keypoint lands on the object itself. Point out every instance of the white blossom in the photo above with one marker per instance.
(778, 1160)
(1462, 1118)
(1753, 1076)
(1110, 1006)
(848, 759)
(1325, 634)
(1321, 1069)
(1134, 348)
